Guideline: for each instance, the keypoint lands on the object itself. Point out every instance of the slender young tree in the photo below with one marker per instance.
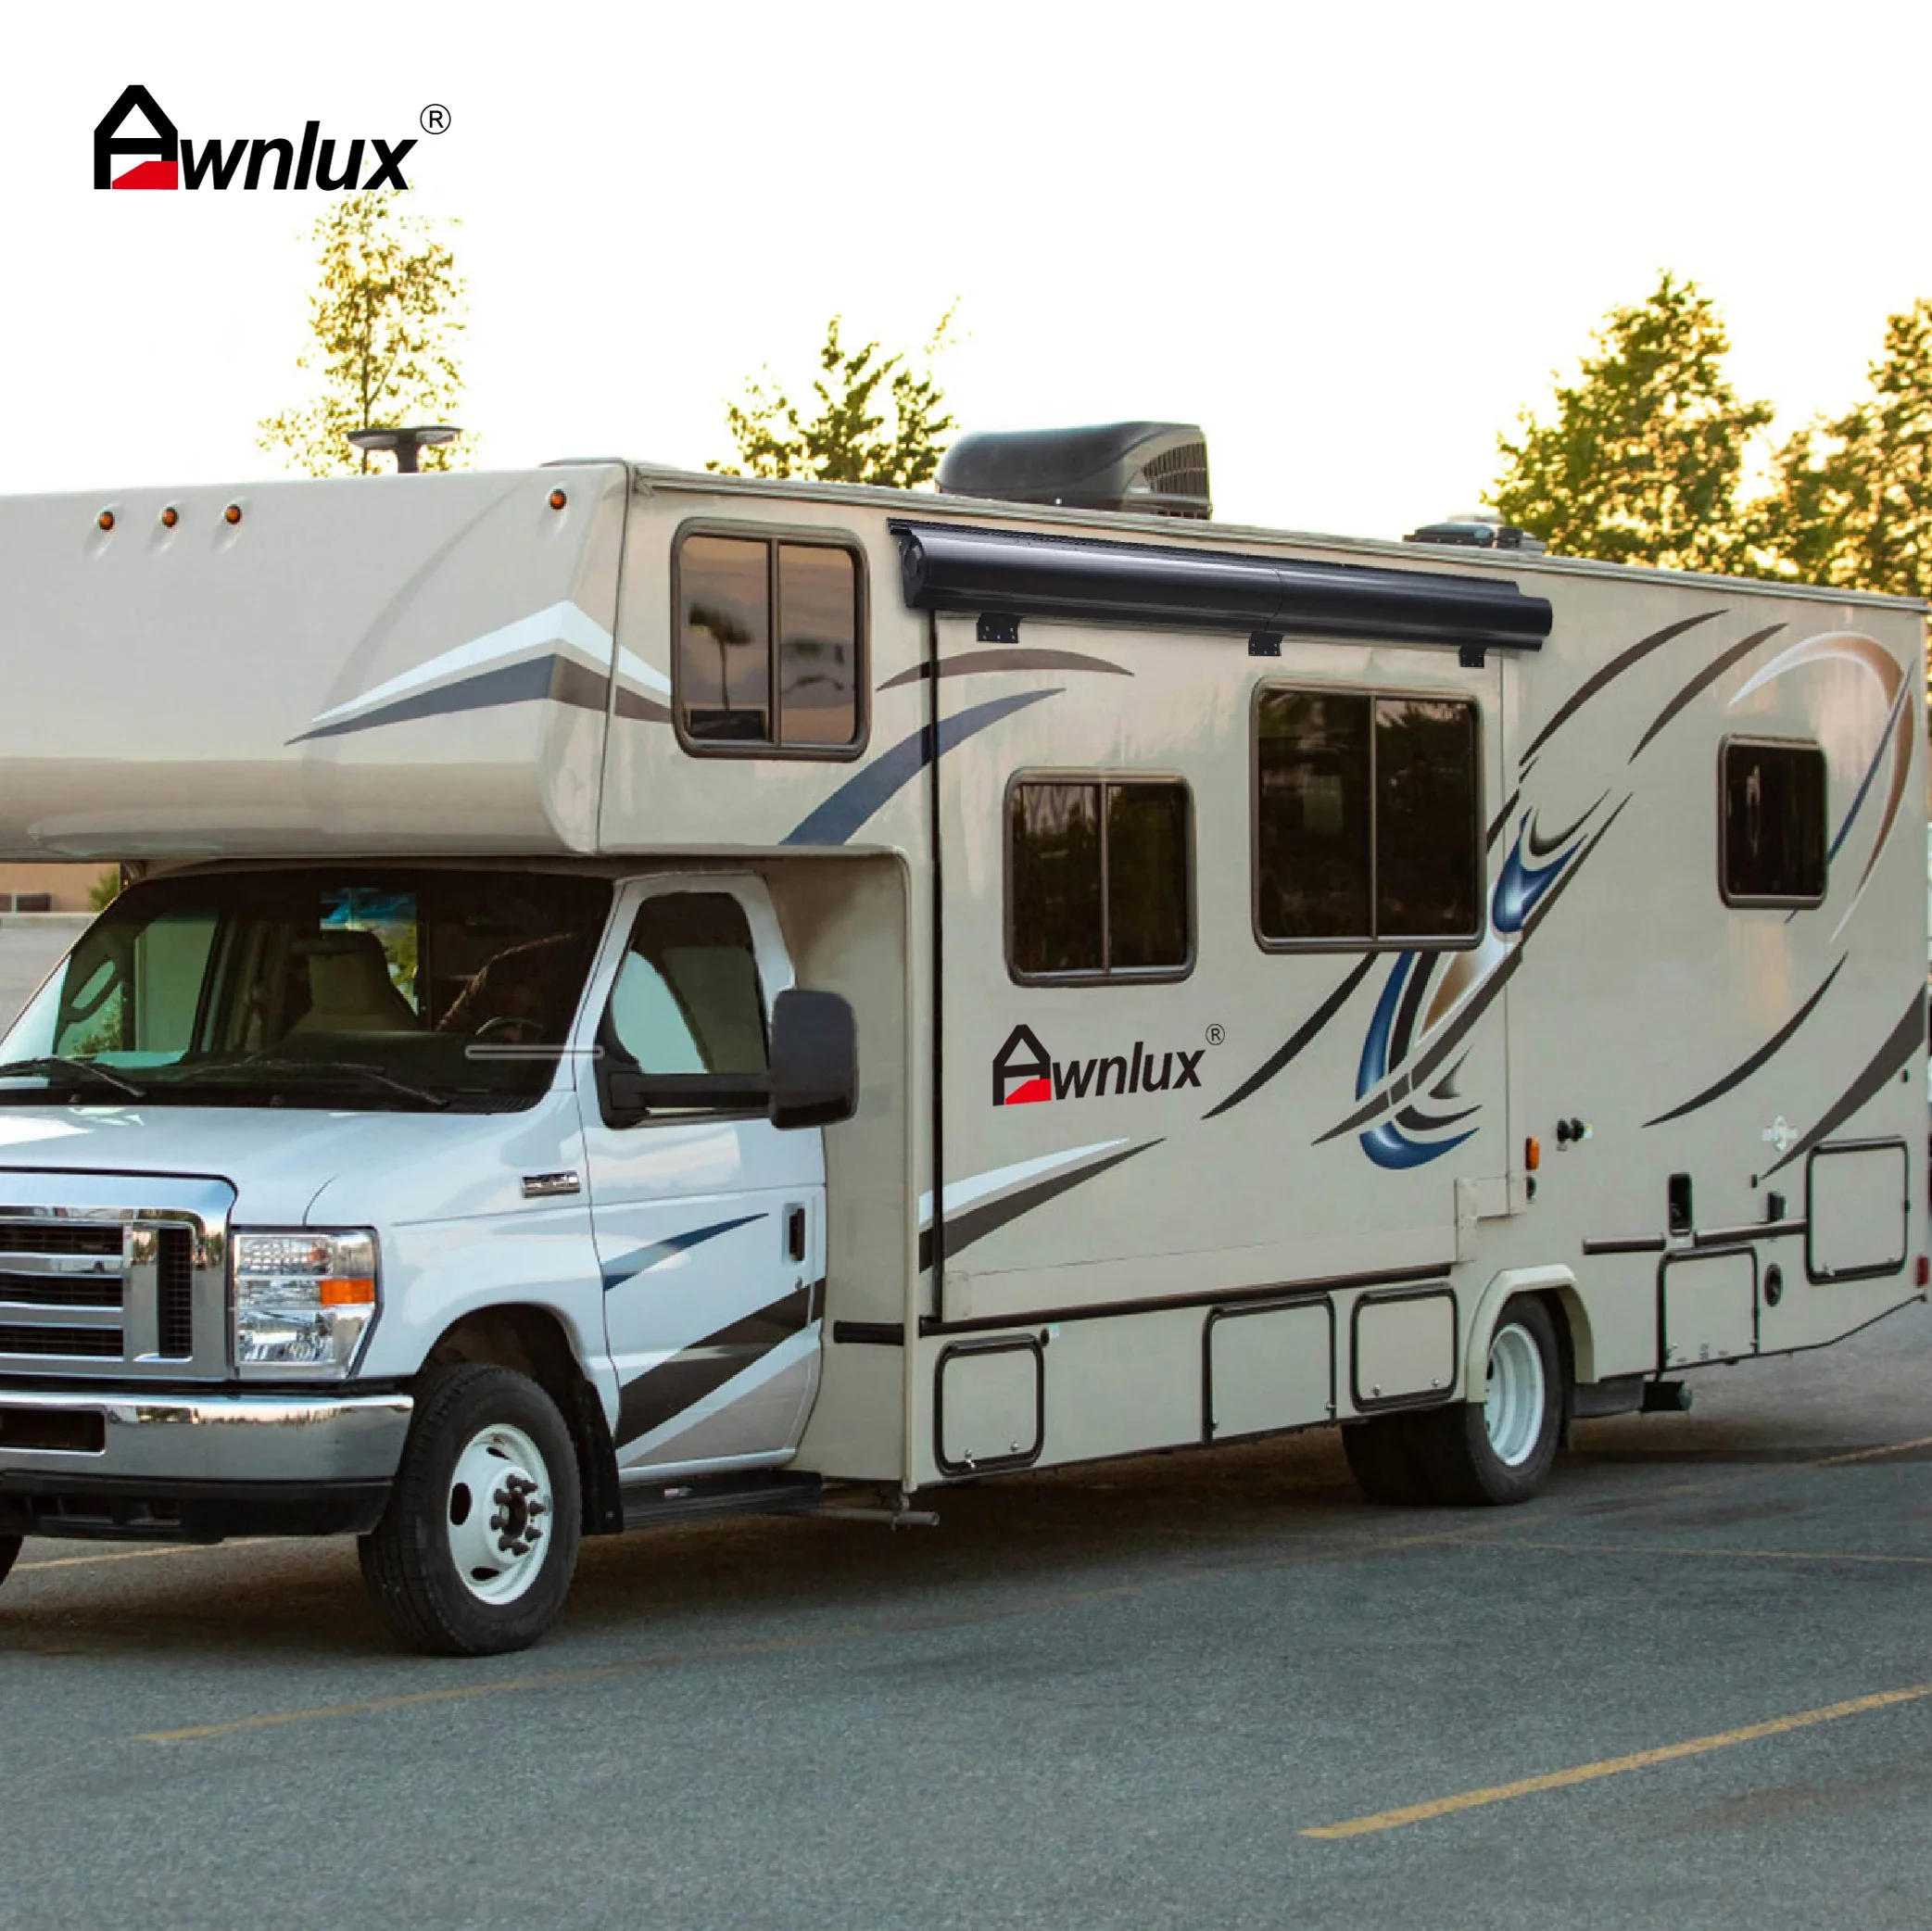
(880, 418)
(384, 321)
(1850, 503)
(1641, 461)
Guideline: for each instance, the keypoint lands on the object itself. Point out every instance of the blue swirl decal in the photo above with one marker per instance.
(1386, 1144)
(1522, 885)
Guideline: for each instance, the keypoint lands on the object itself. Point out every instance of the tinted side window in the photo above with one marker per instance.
(1774, 830)
(1366, 818)
(1098, 876)
(1313, 836)
(687, 998)
(769, 644)
(1425, 819)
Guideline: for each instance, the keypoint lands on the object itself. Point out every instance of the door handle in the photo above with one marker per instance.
(795, 1233)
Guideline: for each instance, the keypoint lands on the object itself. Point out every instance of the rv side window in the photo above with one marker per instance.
(770, 636)
(1367, 819)
(1773, 835)
(1097, 878)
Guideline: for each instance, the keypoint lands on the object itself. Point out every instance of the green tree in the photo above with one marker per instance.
(880, 418)
(1851, 502)
(1641, 461)
(384, 321)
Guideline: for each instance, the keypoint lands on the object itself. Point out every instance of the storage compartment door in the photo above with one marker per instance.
(1857, 1210)
(1269, 1367)
(987, 1404)
(1709, 1306)
(1405, 1347)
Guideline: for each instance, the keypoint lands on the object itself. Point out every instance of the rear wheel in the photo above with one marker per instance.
(1500, 1450)
(474, 1553)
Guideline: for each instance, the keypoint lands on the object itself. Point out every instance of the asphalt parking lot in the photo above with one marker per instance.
(1689, 1687)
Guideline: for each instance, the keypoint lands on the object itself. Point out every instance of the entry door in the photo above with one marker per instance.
(709, 1226)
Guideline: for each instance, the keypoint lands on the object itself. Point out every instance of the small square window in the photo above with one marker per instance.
(1098, 878)
(770, 641)
(1772, 833)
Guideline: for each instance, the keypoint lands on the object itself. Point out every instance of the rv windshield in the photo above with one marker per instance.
(345, 987)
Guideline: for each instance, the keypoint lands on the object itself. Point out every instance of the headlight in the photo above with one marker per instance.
(303, 1302)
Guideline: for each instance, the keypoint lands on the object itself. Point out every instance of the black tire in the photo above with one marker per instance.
(1463, 1463)
(409, 1564)
(1382, 1457)
(9, 1549)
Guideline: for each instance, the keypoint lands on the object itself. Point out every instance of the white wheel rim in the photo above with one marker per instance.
(498, 1513)
(1512, 1409)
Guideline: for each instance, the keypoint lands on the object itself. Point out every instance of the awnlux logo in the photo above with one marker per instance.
(1024, 1072)
(167, 160)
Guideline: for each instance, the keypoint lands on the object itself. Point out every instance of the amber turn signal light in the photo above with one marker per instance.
(1531, 1152)
(348, 1293)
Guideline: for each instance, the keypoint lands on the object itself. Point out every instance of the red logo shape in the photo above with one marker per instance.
(150, 174)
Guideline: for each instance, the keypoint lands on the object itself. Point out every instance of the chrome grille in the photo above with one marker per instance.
(106, 1275)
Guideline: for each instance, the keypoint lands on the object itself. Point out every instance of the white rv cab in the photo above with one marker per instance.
(645, 995)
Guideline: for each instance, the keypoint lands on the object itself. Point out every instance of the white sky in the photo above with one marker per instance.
(1350, 240)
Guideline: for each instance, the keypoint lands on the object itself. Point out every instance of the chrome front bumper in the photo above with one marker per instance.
(124, 1438)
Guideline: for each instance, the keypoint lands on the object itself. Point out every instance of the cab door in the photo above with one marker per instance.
(709, 1223)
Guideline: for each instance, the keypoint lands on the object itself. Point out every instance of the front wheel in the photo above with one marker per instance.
(1500, 1450)
(474, 1553)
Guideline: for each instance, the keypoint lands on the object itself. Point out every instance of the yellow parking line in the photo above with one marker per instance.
(1838, 1461)
(177, 1548)
(1615, 1766)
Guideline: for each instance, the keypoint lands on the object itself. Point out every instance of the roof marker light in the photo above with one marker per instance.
(232, 514)
(169, 517)
(106, 519)
(558, 500)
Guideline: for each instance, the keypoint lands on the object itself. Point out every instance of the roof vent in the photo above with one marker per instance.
(1476, 531)
(1155, 469)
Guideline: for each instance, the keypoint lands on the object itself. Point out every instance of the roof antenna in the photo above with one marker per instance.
(405, 442)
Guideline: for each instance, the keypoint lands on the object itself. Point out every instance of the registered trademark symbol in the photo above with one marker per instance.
(1216, 1034)
(434, 118)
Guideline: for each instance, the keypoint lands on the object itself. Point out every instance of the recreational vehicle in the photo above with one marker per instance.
(646, 995)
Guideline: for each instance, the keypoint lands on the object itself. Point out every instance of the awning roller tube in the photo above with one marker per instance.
(965, 570)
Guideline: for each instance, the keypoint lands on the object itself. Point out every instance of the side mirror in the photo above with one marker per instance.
(814, 1060)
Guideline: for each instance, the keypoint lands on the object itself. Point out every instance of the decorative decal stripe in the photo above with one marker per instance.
(873, 785)
(962, 1194)
(1298, 1041)
(644, 1258)
(976, 1223)
(1501, 819)
(1900, 1044)
(969, 663)
(1612, 670)
(561, 679)
(1738, 1074)
(662, 1393)
(538, 635)
(1704, 679)
(633, 704)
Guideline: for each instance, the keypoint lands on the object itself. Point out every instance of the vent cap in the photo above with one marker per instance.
(1153, 469)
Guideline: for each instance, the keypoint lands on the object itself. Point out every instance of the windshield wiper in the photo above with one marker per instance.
(50, 1065)
(354, 1068)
